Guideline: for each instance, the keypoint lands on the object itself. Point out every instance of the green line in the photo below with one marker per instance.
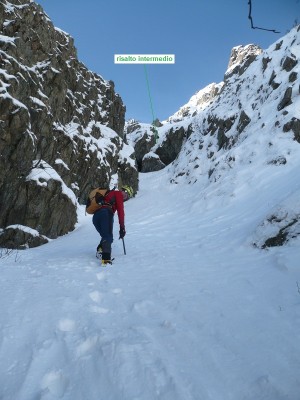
(148, 87)
(151, 104)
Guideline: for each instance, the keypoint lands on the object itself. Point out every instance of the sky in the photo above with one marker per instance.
(200, 33)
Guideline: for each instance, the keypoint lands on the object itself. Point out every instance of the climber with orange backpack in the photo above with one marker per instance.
(103, 203)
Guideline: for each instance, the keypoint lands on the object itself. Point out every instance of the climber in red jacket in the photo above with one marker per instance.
(103, 203)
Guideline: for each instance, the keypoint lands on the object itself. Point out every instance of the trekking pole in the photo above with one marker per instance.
(124, 246)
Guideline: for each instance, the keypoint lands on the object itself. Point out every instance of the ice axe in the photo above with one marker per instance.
(124, 246)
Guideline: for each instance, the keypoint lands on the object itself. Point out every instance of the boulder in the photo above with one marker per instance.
(14, 237)
(151, 162)
(286, 100)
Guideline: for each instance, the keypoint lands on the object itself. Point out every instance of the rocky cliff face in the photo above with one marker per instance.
(178, 127)
(251, 120)
(61, 129)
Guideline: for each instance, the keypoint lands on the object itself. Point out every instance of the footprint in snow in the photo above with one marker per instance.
(96, 296)
(99, 310)
(117, 291)
(55, 382)
(87, 346)
(145, 308)
(101, 276)
(66, 325)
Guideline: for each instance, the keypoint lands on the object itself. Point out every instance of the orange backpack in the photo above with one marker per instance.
(96, 200)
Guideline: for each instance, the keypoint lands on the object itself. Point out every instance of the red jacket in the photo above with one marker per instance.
(115, 198)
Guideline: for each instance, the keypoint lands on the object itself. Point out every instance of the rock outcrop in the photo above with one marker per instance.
(280, 225)
(240, 59)
(61, 128)
(198, 102)
(151, 162)
(142, 138)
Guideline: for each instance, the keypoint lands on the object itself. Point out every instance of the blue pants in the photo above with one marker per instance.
(103, 221)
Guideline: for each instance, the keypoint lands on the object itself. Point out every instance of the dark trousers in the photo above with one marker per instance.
(103, 221)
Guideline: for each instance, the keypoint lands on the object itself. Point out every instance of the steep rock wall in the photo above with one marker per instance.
(60, 127)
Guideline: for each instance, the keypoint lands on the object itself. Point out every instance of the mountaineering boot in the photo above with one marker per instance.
(99, 248)
(106, 262)
(106, 259)
(99, 251)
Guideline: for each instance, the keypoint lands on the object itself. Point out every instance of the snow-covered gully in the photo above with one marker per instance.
(193, 311)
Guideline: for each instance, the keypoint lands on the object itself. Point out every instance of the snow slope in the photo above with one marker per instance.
(192, 312)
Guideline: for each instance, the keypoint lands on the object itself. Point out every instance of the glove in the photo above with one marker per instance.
(122, 232)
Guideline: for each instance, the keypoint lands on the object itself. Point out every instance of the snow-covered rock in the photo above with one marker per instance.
(249, 121)
(54, 112)
(240, 59)
(198, 102)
